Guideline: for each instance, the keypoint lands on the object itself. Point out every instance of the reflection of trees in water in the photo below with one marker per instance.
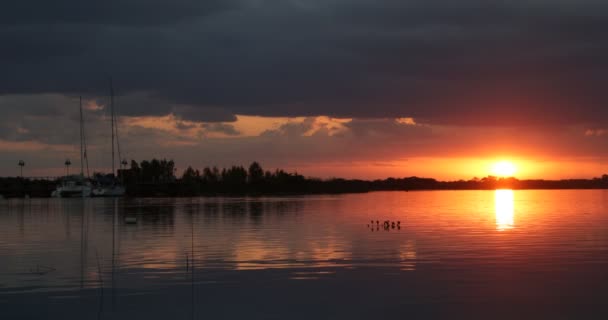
(154, 213)
(191, 207)
(256, 210)
(282, 207)
(158, 215)
(235, 209)
(209, 211)
(211, 208)
(233, 212)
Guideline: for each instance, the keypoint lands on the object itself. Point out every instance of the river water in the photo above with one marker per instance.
(443, 254)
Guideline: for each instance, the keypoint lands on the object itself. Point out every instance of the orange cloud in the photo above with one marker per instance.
(32, 146)
(408, 121)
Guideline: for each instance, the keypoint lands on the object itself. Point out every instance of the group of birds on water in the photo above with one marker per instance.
(386, 225)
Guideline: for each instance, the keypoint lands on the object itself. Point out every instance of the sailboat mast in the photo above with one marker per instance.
(112, 120)
(81, 139)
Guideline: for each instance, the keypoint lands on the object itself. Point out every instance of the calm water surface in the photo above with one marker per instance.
(453, 254)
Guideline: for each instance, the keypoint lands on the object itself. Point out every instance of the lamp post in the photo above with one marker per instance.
(67, 166)
(21, 165)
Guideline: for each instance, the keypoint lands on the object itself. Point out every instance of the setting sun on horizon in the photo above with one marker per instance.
(504, 168)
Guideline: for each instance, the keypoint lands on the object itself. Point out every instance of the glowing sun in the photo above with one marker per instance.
(504, 169)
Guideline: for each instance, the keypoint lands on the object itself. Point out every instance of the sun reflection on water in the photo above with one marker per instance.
(503, 204)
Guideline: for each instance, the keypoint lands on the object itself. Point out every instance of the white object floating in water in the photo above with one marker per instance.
(130, 220)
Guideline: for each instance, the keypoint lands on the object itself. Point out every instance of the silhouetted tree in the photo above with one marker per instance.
(211, 176)
(236, 175)
(268, 175)
(191, 182)
(134, 165)
(256, 173)
(191, 175)
(156, 171)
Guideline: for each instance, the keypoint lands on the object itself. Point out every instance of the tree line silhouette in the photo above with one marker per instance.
(156, 177)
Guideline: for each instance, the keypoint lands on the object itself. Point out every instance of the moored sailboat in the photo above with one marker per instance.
(72, 186)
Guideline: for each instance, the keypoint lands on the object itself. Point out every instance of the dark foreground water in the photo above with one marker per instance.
(462, 254)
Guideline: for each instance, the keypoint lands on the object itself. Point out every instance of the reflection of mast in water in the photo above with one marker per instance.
(68, 227)
(192, 255)
(114, 254)
(83, 243)
(21, 217)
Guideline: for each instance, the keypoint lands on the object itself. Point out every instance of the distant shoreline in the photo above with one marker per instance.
(18, 188)
(156, 178)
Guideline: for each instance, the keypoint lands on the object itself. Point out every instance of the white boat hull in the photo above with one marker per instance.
(73, 187)
(113, 191)
(72, 192)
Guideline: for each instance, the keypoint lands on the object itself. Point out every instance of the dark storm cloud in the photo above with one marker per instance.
(50, 119)
(466, 62)
(138, 104)
(389, 129)
(110, 12)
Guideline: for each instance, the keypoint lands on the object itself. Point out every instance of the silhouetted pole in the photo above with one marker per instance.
(123, 166)
(21, 165)
(112, 121)
(67, 167)
(81, 139)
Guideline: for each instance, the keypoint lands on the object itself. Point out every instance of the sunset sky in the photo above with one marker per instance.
(348, 88)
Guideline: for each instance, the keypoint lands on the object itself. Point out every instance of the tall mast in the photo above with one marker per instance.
(112, 120)
(117, 139)
(84, 143)
(81, 139)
